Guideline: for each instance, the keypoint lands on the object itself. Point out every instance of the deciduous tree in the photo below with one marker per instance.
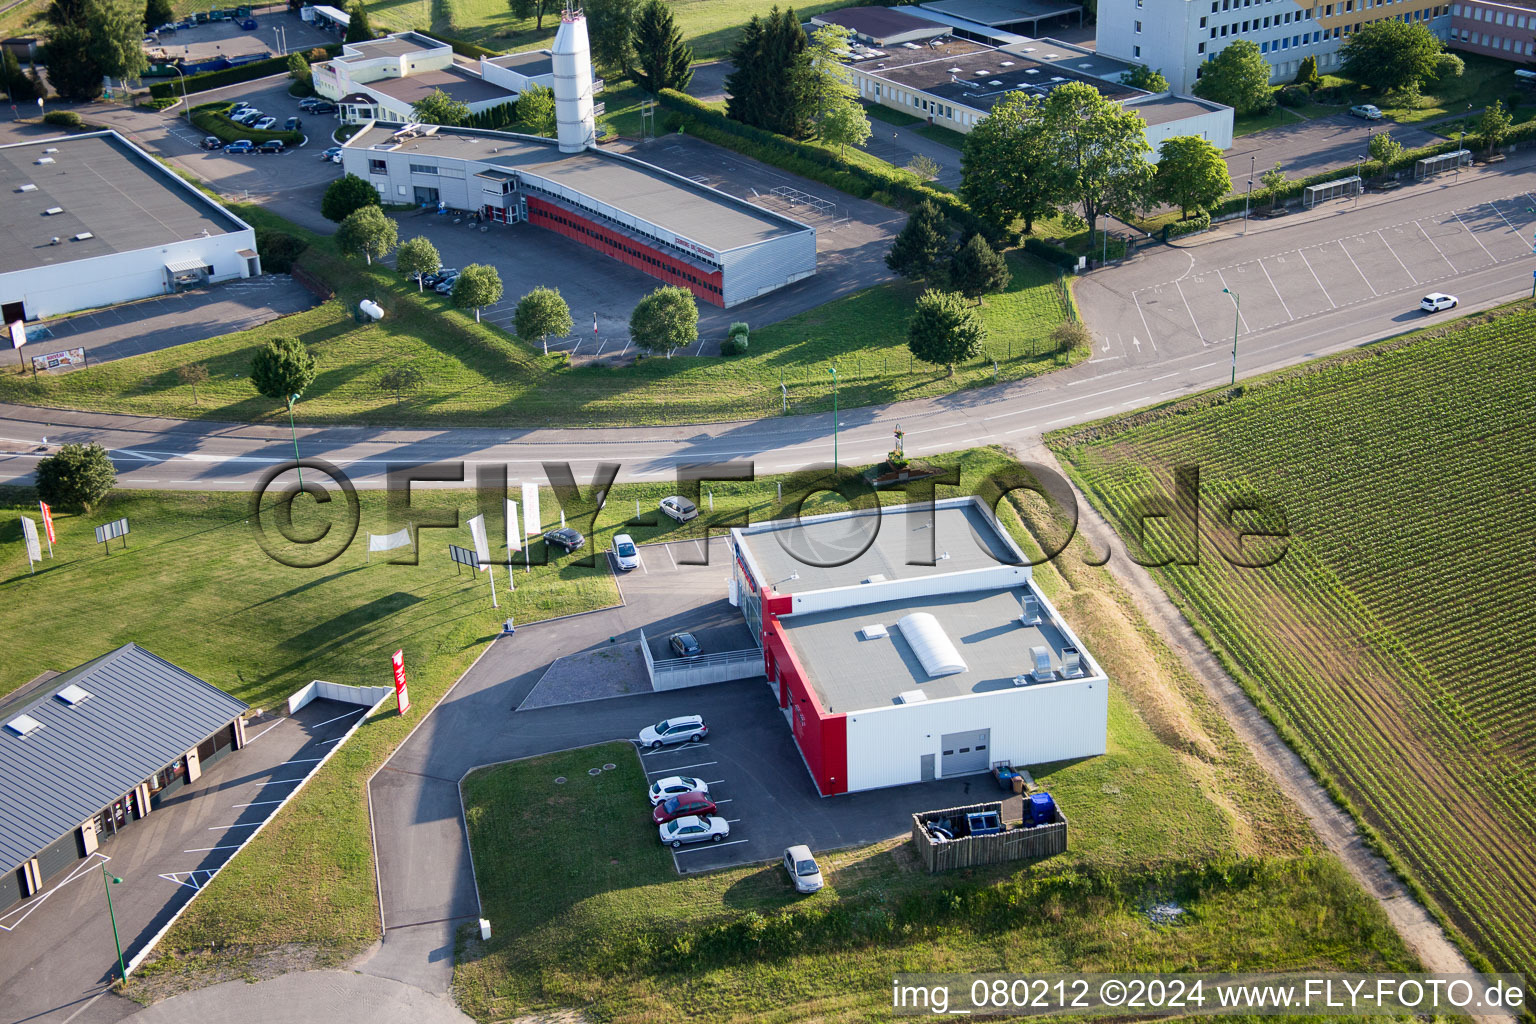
(281, 368)
(400, 378)
(1007, 170)
(346, 195)
(536, 111)
(661, 59)
(844, 125)
(1239, 77)
(535, 9)
(437, 107)
(1190, 174)
(1494, 125)
(1099, 149)
(477, 287)
(14, 81)
(665, 320)
(418, 257)
(368, 233)
(611, 31)
(77, 476)
(1143, 77)
(193, 374)
(1384, 148)
(944, 330)
(540, 315)
(1390, 54)
(157, 13)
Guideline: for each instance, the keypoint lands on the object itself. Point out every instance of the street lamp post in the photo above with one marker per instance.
(1248, 199)
(1237, 318)
(1461, 146)
(186, 108)
(833, 371)
(107, 881)
(295, 431)
(1359, 182)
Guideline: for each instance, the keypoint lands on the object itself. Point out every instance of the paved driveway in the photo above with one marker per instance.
(56, 948)
(1322, 144)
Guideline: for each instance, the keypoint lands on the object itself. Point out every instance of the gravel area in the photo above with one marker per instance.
(614, 671)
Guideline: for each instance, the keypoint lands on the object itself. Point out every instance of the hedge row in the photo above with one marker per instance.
(211, 119)
(1050, 252)
(809, 161)
(172, 87)
(1180, 228)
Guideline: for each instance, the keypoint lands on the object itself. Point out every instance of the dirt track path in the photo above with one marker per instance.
(1420, 932)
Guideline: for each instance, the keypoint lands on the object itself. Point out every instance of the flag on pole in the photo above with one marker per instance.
(482, 545)
(29, 534)
(514, 536)
(533, 522)
(594, 326)
(402, 695)
(47, 524)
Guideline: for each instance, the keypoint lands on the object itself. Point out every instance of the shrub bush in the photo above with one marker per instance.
(1050, 252)
(67, 118)
(278, 250)
(738, 328)
(1179, 228)
(735, 345)
(1293, 96)
(158, 103)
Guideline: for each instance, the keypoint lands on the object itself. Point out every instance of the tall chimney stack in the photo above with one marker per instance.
(573, 84)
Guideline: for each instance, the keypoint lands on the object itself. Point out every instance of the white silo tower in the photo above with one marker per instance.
(573, 83)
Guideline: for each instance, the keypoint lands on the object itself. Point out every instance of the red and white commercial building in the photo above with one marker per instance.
(910, 643)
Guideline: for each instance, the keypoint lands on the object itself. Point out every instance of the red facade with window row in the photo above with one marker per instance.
(821, 736)
(626, 249)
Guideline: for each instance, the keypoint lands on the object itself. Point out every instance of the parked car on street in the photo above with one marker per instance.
(684, 729)
(694, 830)
(624, 551)
(685, 645)
(565, 538)
(679, 508)
(250, 115)
(1434, 302)
(240, 146)
(802, 868)
(248, 24)
(308, 101)
(272, 146)
(681, 806)
(676, 785)
(212, 142)
(331, 154)
(291, 125)
(1369, 111)
(266, 124)
(445, 285)
(323, 107)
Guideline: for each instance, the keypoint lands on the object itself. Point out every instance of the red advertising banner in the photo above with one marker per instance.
(402, 696)
(47, 520)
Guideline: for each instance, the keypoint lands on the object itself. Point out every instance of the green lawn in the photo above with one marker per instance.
(880, 112)
(1401, 471)
(477, 374)
(1247, 124)
(946, 136)
(605, 923)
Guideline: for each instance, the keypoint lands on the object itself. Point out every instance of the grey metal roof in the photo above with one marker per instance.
(824, 551)
(530, 63)
(457, 82)
(1000, 12)
(850, 673)
(104, 185)
(142, 714)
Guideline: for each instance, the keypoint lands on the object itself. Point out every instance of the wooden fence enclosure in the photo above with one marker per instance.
(1015, 842)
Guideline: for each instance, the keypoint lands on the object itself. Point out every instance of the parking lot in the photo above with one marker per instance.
(276, 32)
(56, 949)
(1408, 259)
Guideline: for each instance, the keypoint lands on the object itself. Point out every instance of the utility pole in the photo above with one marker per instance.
(122, 972)
(1248, 199)
(833, 371)
(295, 431)
(1237, 318)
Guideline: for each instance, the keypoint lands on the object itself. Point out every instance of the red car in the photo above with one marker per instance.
(682, 806)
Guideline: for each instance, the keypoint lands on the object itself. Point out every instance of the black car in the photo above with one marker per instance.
(565, 538)
(212, 142)
(272, 146)
(309, 102)
(686, 645)
(291, 125)
(323, 108)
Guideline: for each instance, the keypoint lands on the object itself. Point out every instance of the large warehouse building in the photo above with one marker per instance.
(85, 754)
(909, 644)
(723, 249)
(92, 220)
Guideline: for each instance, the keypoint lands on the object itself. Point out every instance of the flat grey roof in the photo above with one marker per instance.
(142, 714)
(1058, 53)
(396, 45)
(533, 63)
(988, 73)
(105, 186)
(1170, 108)
(703, 214)
(1001, 12)
(961, 530)
(850, 673)
(878, 22)
(460, 84)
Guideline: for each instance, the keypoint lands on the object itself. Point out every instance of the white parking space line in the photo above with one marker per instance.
(1319, 280)
(1479, 241)
(190, 881)
(1142, 313)
(338, 718)
(263, 732)
(1431, 241)
(1503, 218)
(725, 801)
(1288, 313)
(668, 750)
(668, 549)
(259, 803)
(26, 909)
(1364, 278)
(713, 782)
(681, 767)
(708, 846)
(210, 849)
(238, 824)
(1191, 313)
(732, 821)
(1395, 256)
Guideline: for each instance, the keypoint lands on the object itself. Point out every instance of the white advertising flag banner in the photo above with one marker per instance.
(389, 541)
(482, 546)
(514, 535)
(533, 522)
(29, 532)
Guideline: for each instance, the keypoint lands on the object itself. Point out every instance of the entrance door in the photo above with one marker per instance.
(426, 196)
(10, 312)
(966, 752)
(927, 768)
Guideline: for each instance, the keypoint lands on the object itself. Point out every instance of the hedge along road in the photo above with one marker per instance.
(1130, 367)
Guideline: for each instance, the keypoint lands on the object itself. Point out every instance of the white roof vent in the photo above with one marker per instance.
(912, 696)
(954, 71)
(23, 725)
(82, 236)
(44, 160)
(53, 211)
(1031, 71)
(995, 81)
(876, 578)
(1052, 56)
(1007, 63)
(51, 149)
(874, 631)
(29, 187)
(72, 695)
(983, 71)
(931, 645)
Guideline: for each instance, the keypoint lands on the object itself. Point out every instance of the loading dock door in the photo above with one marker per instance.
(965, 752)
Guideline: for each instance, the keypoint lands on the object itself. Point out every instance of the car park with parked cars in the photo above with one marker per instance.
(803, 869)
(676, 785)
(565, 538)
(694, 830)
(681, 806)
(679, 508)
(437, 277)
(1434, 302)
(625, 555)
(685, 645)
(445, 283)
(334, 154)
(683, 729)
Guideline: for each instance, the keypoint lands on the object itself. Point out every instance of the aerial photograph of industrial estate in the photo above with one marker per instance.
(693, 511)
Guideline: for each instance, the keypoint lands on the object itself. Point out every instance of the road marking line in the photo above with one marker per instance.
(338, 718)
(1395, 256)
(725, 801)
(238, 824)
(263, 732)
(305, 760)
(1145, 326)
(668, 549)
(1241, 319)
(1198, 333)
(1319, 280)
(700, 847)
(713, 782)
(1502, 217)
(1275, 288)
(1479, 241)
(1367, 280)
(1431, 241)
(259, 803)
(210, 849)
(681, 767)
(79, 871)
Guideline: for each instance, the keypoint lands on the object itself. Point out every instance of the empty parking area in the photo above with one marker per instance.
(1410, 258)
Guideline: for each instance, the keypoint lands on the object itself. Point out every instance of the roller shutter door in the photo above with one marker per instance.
(10, 889)
(966, 752)
(58, 856)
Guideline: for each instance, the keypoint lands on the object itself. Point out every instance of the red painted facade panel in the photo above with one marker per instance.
(821, 737)
(626, 249)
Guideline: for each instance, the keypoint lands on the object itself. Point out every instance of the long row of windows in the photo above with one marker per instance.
(1495, 42)
(1311, 38)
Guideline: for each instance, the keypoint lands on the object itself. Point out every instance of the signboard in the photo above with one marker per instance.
(69, 358)
(18, 334)
(402, 695)
(463, 556)
(29, 533)
(683, 243)
(47, 520)
(111, 531)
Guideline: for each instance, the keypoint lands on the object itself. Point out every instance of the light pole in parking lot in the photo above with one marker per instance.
(107, 882)
(833, 371)
(280, 39)
(1237, 318)
(1359, 181)
(299, 465)
(184, 106)
(1248, 199)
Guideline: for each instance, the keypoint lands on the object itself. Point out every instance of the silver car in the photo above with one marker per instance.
(694, 829)
(679, 508)
(684, 729)
(802, 868)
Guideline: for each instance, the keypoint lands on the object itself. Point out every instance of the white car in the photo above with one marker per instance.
(676, 785)
(624, 551)
(684, 729)
(1434, 302)
(679, 508)
(694, 829)
(265, 124)
(802, 868)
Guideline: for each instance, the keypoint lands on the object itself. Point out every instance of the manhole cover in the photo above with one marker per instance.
(609, 767)
(559, 780)
(594, 771)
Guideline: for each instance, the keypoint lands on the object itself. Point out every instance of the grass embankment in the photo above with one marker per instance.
(1392, 642)
(476, 374)
(1176, 809)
